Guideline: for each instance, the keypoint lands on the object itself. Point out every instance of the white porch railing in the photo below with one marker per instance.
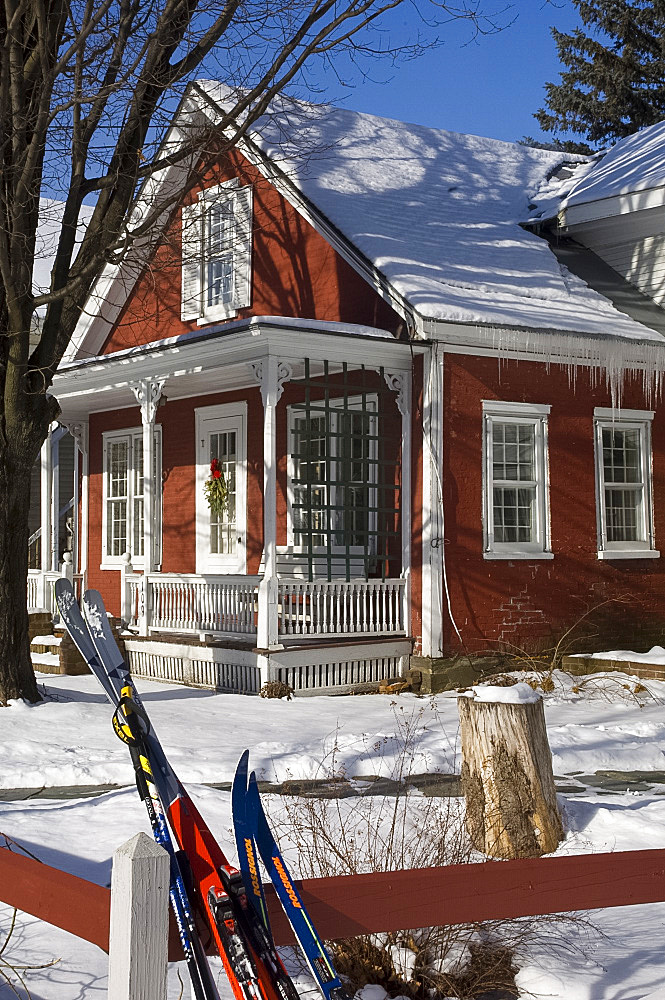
(193, 603)
(174, 602)
(341, 607)
(40, 594)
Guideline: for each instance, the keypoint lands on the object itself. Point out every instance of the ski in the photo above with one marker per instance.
(253, 968)
(133, 733)
(256, 826)
(245, 843)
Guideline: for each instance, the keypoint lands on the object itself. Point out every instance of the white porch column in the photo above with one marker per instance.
(271, 375)
(148, 393)
(433, 554)
(400, 382)
(45, 505)
(79, 432)
(56, 434)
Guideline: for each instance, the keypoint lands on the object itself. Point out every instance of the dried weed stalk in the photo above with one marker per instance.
(11, 973)
(370, 833)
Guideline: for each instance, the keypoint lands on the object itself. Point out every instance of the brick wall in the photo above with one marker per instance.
(295, 272)
(529, 604)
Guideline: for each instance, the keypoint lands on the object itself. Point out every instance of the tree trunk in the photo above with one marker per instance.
(507, 780)
(17, 678)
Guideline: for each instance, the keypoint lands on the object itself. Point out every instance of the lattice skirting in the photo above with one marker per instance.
(339, 674)
(197, 666)
(244, 671)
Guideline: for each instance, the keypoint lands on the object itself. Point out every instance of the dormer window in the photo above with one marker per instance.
(217, 253)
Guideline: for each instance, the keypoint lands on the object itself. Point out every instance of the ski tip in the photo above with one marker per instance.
(239, 786)
(62, 586)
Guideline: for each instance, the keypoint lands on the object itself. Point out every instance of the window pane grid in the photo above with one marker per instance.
(125, 496)
(223, 528)
(220, 238)
(624, 489)
(514, 452)
(515, 481)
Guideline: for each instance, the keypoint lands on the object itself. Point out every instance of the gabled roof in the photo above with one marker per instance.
(627, 177)
(636, 163)
(435, 214)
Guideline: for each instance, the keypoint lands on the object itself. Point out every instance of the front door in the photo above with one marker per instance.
(221, 433)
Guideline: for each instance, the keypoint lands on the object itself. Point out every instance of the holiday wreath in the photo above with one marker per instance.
(216, 489)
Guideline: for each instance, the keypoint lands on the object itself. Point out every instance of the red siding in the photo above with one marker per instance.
(178, 472)
(528, 604)
(295, 273)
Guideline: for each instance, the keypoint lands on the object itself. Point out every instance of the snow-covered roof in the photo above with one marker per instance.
(438, 213)
(636, 163)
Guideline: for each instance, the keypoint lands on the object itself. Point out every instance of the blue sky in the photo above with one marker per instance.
(490, 86)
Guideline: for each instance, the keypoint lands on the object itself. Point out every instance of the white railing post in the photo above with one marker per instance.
(67, 567)
(143, 613)
(138, 938)
(125, 568)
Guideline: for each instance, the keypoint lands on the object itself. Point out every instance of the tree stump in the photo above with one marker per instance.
(507, 779)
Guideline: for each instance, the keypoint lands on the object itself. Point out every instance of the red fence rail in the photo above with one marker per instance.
(347, 905)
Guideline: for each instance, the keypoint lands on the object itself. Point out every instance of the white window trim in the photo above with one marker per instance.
(114, 562)
(194, 307)
(353, 403)
(501, 411)
(641, 420)
(205, 561)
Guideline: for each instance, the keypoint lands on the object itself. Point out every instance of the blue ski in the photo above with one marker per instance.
(245, 843)
(317, 957)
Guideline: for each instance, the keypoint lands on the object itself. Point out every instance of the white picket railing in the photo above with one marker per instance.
(230, 604)
(33, 588)
(192, 603)
(40, 588)
(341, 607)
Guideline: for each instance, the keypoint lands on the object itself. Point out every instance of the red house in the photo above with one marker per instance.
(429, 384)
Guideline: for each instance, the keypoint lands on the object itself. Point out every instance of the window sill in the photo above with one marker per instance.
(215, 315)
(629, 554)
(518, 555)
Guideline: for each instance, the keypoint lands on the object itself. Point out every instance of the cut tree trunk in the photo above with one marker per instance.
(507, 780)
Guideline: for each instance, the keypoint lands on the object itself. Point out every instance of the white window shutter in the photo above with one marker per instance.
(192, 261)
(242, 272)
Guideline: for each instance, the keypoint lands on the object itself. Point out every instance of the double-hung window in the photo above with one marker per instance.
(217, 253)
(123, 497)
(515, 481)
(333, 475)
(624, 484)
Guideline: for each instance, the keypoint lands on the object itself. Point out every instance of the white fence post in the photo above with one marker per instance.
(138, 940)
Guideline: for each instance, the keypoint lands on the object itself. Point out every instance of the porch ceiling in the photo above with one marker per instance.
(219, 360)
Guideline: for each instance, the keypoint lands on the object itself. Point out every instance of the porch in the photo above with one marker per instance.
(332, 523)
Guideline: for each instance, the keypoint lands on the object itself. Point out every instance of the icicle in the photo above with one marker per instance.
(610, 360)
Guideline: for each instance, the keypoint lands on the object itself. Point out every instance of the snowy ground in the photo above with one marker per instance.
(593, 724)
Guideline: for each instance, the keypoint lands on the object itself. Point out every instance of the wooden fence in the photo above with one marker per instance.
(348, 905)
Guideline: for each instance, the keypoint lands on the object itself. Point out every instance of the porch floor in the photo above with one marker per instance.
(288, 642)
